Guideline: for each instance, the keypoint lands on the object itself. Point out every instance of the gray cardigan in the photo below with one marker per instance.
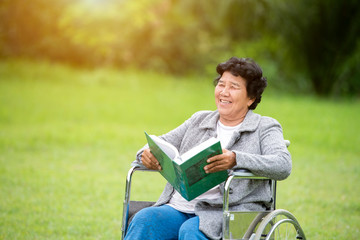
(259, 147)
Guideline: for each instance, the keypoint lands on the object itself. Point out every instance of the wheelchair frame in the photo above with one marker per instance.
(263, 226)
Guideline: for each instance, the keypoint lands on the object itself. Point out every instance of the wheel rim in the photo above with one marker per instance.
(279, 225)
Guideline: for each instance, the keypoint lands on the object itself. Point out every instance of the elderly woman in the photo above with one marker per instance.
(249, 141)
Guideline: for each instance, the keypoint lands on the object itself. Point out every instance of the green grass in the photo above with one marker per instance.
(67, 138)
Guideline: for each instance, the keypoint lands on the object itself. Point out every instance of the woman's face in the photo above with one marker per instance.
(231, 99)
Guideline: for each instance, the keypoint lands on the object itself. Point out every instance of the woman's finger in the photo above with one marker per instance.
(221, 162)
(149, 160)
(215, 167)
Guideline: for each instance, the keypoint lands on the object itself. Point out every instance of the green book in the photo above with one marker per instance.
(186, 172)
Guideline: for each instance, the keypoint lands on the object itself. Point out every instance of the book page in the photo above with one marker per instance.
(192, 152)
(168, 148)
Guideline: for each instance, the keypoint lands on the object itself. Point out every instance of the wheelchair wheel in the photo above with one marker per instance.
(277, 225)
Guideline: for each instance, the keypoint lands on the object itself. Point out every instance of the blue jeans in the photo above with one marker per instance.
(164, 223)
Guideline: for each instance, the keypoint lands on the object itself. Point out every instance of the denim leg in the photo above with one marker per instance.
(190, 230)
(156, 223)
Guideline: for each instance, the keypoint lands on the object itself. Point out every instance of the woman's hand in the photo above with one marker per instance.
(149, 160)
(224, 161)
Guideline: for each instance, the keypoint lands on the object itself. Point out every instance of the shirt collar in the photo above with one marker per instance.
(249, 124)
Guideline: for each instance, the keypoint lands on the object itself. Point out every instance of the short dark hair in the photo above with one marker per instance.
(249, 70)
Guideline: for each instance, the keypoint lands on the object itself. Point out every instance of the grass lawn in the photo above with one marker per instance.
(67, 138)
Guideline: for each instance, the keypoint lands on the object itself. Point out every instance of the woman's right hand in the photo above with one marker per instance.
(149, 160)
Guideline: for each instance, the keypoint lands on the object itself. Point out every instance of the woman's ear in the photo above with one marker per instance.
(250, 101)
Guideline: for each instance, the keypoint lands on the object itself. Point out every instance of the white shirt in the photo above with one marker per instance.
(224, 134)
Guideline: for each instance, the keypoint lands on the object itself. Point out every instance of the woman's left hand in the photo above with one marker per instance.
(224, 161)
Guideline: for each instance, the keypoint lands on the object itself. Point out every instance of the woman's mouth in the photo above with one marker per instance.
(224, 101)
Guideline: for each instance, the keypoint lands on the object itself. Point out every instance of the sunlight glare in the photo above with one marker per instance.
(95, 3)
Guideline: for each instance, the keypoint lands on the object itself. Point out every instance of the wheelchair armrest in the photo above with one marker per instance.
(135, 166)
(244, 173)
(138, 166)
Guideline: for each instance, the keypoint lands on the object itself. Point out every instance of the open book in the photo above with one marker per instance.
(186, 172)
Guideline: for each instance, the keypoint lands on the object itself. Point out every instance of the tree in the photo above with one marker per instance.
(29, 28)
(322, 36)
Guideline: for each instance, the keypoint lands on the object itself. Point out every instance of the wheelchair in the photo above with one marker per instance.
(271, 224)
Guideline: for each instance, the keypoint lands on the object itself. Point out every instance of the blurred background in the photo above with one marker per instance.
(81, 80)
(307, 46)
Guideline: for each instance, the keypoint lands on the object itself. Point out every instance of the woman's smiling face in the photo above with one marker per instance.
(231, 99)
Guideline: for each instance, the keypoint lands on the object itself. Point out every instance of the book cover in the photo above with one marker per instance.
(186, 172)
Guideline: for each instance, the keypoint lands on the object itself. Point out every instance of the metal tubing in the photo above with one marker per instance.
(273, 190)
(126, 203)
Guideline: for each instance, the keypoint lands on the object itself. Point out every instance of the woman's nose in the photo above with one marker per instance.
(225, 91)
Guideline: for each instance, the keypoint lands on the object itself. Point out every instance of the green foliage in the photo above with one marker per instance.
(310, 45)
(67, 138)
(29, 28)
(322, 37)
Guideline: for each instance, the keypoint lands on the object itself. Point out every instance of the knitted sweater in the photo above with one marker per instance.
(259, 147)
